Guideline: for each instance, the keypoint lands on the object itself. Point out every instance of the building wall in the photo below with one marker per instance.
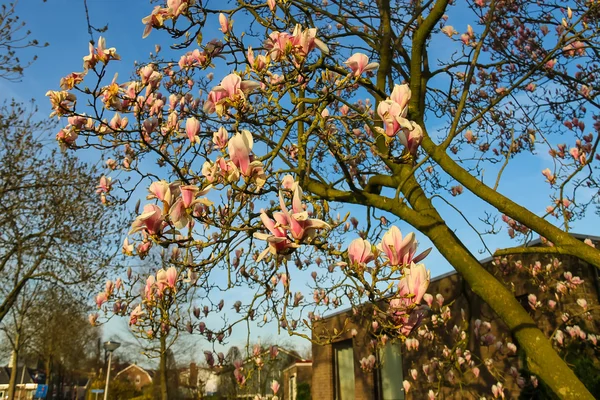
(466, 304)
(132, 373)
(303, 372)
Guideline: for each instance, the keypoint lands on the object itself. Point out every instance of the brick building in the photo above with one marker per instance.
(298, 373)
(336, 366)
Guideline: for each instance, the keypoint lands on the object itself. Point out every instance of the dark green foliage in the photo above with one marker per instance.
(303, 391)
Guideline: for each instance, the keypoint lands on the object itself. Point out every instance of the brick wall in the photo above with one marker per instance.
(466, 304)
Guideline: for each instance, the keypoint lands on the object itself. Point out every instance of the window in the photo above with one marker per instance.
(344, 370)
(292, 392)
(390, 372)
(138, 379)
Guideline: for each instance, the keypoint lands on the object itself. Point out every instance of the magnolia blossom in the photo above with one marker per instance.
(220, 138)
(150, 221)
(400, 251)
(163, 191)
(166, 279)
(405, 308)
(411, 138)
(100, 53)
(155, 20)
(136, 313)
(231, 91)
(240, 149)
(224, 23)
(301, 228)
(101, 298)
(359, 63)
(389, 111)
(305, 40)
(105, 185)
(192, 129)
(278, 44)
(393, 113)
(275, 387)
(359, 252)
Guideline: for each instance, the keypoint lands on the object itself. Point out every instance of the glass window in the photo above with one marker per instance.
(292, 394)
(344, 370)
(391, 371)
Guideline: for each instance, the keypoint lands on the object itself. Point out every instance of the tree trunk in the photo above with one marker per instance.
(163, 367)
(48, 368)
(13, 370)
(542, 359)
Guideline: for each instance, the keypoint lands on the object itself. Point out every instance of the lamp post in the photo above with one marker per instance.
(110, 347)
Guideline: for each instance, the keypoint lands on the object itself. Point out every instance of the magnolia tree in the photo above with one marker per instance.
(326, 104)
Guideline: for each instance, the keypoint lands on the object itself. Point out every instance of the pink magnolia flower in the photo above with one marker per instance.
(101, 298)
(192, 128)
(127, 248)
(368, 363)
(150, 221)
(278, 44)
(105, 185)
(301, 227)
(135, 314)
(415, 282)
(224, 23)
(278, 241)
(220, 138)
(449, 30)
(176, 7)
(305, 40)
(162, 191)
(582, 303)
(401, 96)
(428, 299)
(93, 319)
(61, 102)
(214, 98)
(275, 387)
(240, 148)
(359, 252)
(411, 138)
(550, 178)
(406, 385)
(359, 63)
(231, 91)
(154, 20)
(104, 54)
(388, 111)
(171, 277)
(271, 4)
(71, 80)
(233, 86)
(400, 251)
(289, 183)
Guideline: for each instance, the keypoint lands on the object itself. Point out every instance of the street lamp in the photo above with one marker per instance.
(110, 347)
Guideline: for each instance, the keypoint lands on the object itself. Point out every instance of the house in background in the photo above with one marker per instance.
(137, 375)
(337, 375)
(28, 380)
(294, 377)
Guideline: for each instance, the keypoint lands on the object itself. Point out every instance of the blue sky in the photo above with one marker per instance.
(62, 24)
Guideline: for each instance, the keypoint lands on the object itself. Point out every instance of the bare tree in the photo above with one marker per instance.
(13, 37)
(52, 227)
